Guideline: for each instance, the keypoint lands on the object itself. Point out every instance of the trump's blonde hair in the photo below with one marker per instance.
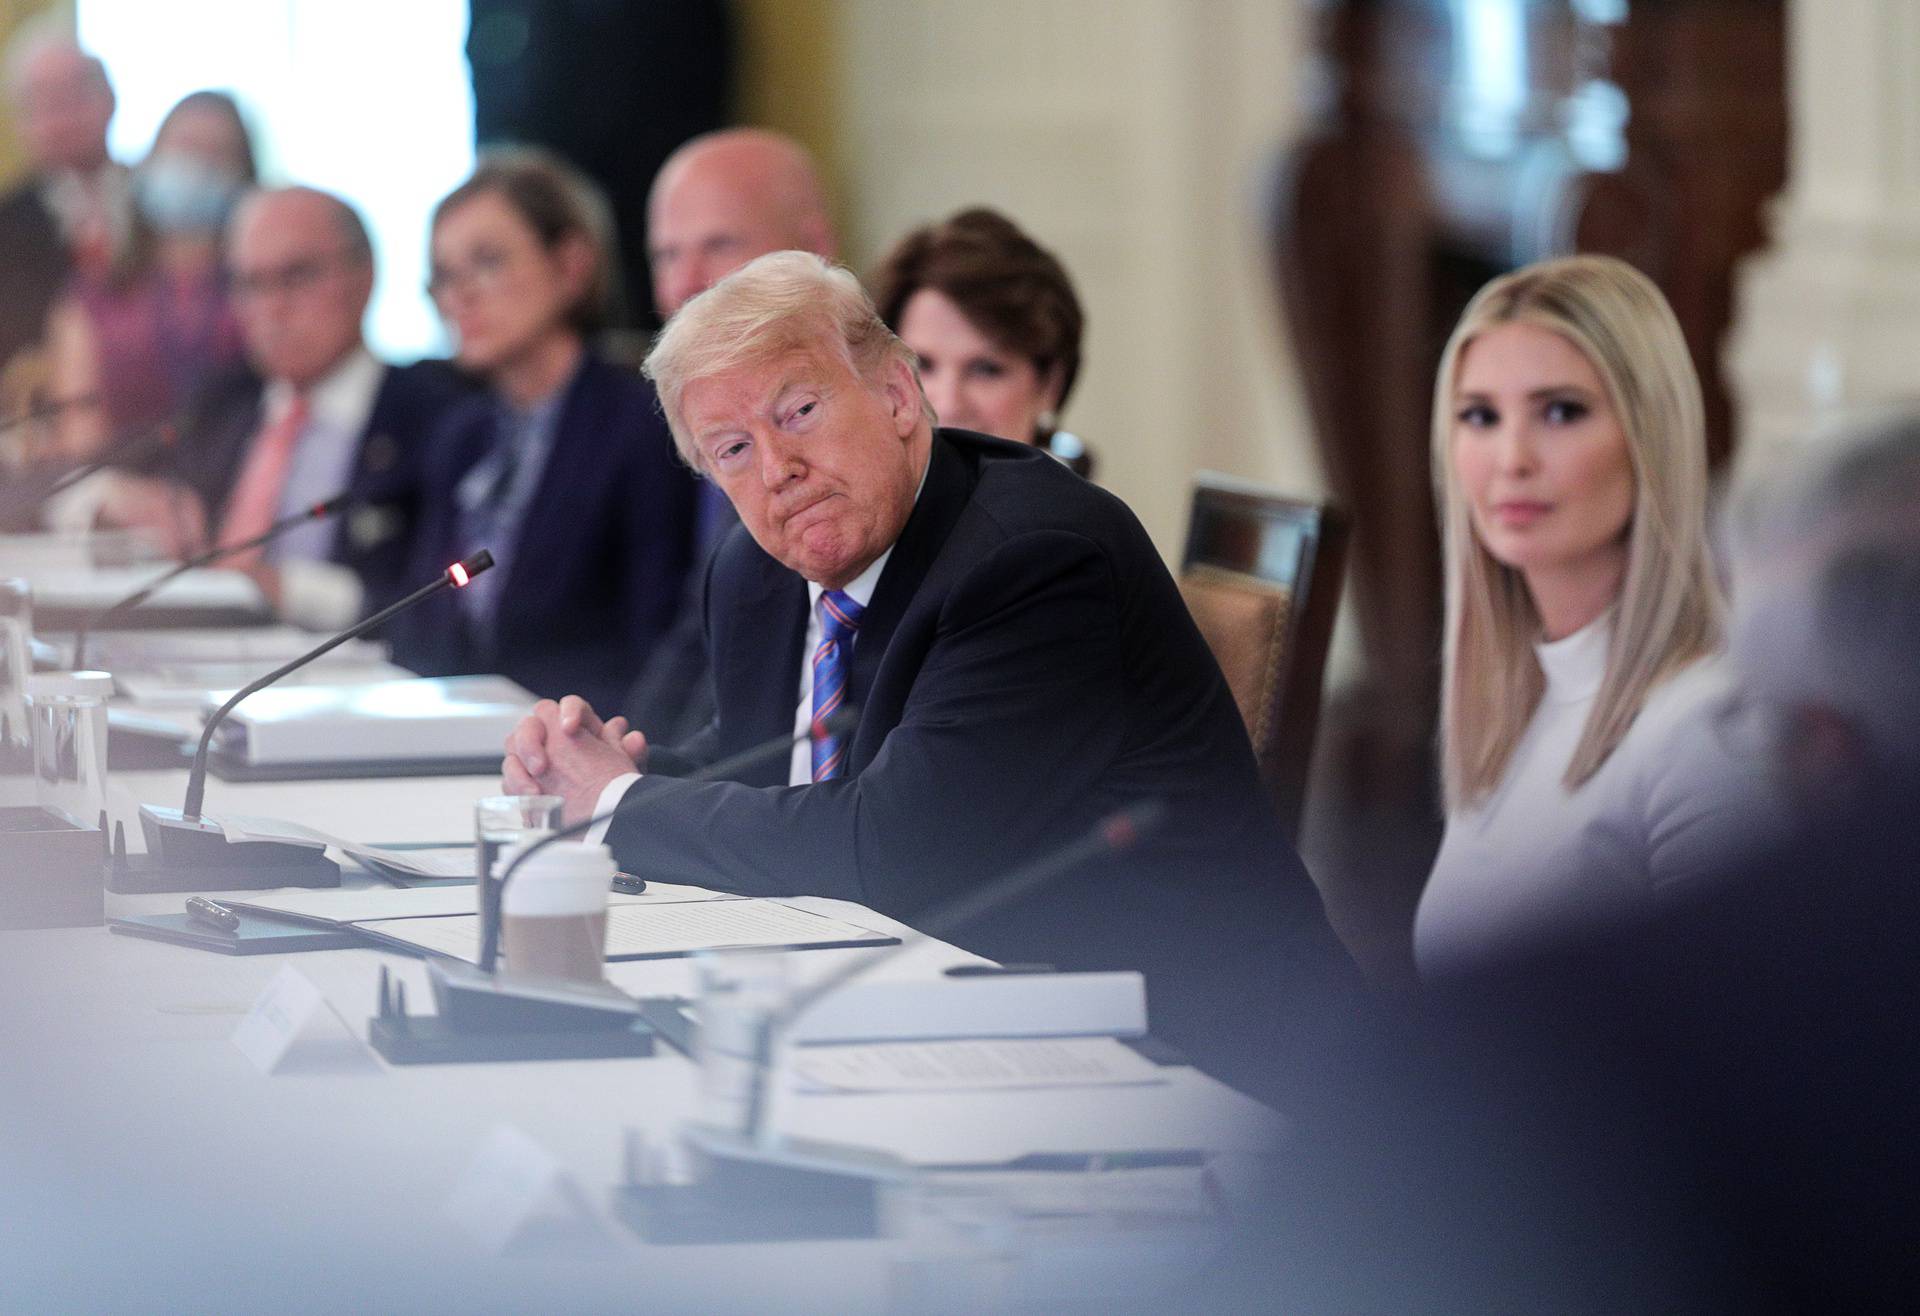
(1669, 611)
(785, 301)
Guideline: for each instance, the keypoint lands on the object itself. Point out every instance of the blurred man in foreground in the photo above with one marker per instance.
(1713, 1112)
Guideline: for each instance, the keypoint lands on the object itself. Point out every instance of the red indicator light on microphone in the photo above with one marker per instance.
(459, 573)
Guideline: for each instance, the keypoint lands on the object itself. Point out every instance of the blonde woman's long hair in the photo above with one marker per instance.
(1669, 612)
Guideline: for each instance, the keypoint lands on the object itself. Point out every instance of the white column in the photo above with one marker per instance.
(1828, 318)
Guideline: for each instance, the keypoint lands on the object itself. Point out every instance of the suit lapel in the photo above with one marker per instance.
(760, 672)
(948, 486)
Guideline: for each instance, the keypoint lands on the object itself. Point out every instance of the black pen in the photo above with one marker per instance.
(206, 911)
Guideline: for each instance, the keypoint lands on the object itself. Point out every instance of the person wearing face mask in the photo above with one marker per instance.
(994, 321)
(143, 336)
(1587, 769)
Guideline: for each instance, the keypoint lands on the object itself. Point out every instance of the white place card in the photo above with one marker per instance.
(511, 1184)
(289, 1010)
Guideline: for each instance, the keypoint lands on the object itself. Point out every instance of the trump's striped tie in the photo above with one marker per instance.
(839, 619)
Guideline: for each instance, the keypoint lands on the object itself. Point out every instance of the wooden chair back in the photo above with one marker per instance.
(1262, 577)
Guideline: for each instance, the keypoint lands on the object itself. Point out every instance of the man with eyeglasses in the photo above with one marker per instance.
(316, 415)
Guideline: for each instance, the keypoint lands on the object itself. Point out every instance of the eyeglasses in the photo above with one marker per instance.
(483, 273)
(294, 277)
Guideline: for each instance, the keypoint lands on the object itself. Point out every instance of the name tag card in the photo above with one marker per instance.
(293, 1019)
(513, 1184)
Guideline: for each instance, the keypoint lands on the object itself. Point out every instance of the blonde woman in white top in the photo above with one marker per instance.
(1585, 764)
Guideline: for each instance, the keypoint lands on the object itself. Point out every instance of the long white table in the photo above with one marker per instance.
(144, 1163)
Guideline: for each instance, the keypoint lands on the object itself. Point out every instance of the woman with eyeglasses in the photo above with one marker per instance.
(1587, 769)
(563, 468)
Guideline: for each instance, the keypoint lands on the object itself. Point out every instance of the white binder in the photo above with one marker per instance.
(433, 718)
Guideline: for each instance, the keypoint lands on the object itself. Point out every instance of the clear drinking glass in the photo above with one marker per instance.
(68, 712)
(16, 664)
(498, 822)
(738, 992)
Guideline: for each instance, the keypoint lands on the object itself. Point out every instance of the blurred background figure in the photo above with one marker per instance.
(563, 469)
(71, 210)
(1586, 771)
(994, 321)
(1826, 619)
(1710, 1109)
(143, 335)
(719, 201)
(313, 414)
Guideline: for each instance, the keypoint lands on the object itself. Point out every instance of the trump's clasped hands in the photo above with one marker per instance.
(565, 749)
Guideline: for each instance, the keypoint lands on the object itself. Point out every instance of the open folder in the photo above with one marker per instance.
(662, 922)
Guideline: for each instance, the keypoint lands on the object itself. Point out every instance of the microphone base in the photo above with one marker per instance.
(795, 1189)
(473, 1001)
(195, 855)
(485, 1017)
(427, 1040)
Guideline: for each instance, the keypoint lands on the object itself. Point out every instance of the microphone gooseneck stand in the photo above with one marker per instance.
(318, 512)
(187, 852)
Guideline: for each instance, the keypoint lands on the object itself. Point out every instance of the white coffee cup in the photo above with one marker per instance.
(553, 914)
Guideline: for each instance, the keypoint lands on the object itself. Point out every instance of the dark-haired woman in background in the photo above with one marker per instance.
(563, 470)
(994, 320)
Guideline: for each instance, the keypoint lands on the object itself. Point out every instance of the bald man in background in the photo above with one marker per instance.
(718, 202)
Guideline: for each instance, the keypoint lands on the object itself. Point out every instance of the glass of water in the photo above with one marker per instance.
(741, 992)
(498, 822)
(16, 626)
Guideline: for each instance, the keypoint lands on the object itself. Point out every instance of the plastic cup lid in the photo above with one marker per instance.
(50, 684)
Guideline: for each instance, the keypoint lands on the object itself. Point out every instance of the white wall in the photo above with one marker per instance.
(1130, 137)
(367, 98)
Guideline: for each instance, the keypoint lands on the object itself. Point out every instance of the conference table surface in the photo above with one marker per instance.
(146, 1163)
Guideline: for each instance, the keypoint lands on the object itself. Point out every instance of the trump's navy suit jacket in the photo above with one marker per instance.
(1025, 667)
(597, 571)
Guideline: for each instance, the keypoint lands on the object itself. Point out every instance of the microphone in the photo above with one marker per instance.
(840, 722)
(317, 512)
(184, 839)
(137, 447)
